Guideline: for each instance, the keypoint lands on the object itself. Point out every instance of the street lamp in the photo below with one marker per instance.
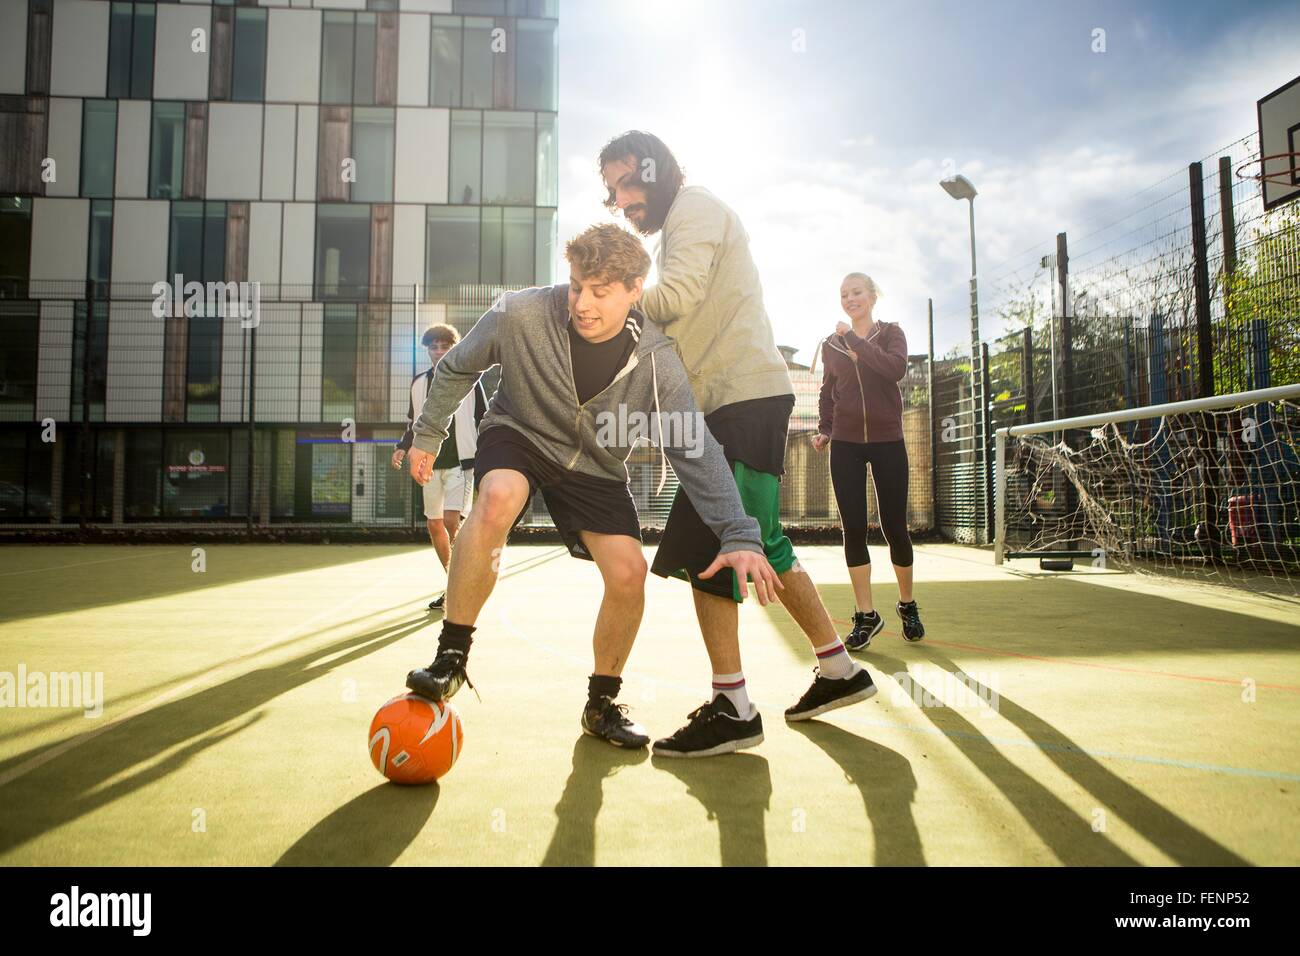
(959, 187)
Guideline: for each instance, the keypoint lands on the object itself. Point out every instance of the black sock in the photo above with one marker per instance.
(455, 637)
(602, 685)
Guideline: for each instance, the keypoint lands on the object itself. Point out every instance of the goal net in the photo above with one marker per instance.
(1206, 487)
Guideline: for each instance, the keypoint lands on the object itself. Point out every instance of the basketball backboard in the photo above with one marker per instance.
(1279, 144)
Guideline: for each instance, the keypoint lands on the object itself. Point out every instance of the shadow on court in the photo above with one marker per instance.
(1178, 839)
(372, 829)
(574, 841)
(888, 787)
(41, 579)
(1056, 617)
(735, 790)
(68, 786)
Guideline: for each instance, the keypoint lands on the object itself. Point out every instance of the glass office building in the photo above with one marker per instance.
(368, 167)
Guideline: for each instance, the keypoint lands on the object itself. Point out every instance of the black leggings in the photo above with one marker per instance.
(888, 461)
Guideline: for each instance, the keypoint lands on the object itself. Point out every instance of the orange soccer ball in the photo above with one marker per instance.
(414, 740)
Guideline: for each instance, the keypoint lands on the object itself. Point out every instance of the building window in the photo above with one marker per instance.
(338, 371)
(373, 148)
(452, 245)
(167, 151)
(197, 250)
(20, 332)
(197, 475)
(466, 156)
(100, 248)
(249, 55)
(517, 246)
(508, 147)
(15, 246)
(348, 59)
(548, 160)
(342, 251)
(97, 481)
(544, 247)
(130, 50)
(536, 73)
(203, 369)
(98, 148)
(95, 364)
(476, 84)
(445, 62)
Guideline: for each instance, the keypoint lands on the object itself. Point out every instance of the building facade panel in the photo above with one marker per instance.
(54, 363)
(264, 245)
(279, 332)
(304, 188)
(413, 60)
(64, 146)
(309, 392)
(13, 46)
(140, 231)
(60, 233)
(132, 168)
(422, 155)
(297, 243)
(408, 248)
(293, 56)
(135, 363)
(181, 72)
(279, 141)
(234, 163)
(79, 48)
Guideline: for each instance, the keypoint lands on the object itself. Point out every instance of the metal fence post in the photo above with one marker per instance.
(934, 438)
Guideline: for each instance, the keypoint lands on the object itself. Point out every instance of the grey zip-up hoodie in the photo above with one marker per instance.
(527, 334)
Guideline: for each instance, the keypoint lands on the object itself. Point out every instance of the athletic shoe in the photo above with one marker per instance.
(436, 603)
(608, 721)
(827, 693)
(866, 625)
(913, 630)
(441, 679)
(714, 728)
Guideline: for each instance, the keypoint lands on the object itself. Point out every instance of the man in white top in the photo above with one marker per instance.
(447, 494)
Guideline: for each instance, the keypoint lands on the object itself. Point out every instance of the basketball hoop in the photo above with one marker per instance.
(1288, 175)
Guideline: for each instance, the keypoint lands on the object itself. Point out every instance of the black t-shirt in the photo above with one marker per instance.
(596, 364)
(754, 431)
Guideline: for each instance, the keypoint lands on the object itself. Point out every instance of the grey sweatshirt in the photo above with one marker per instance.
(526, 333)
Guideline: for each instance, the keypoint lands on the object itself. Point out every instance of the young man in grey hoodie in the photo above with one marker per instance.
(578, 364)
(708, 299)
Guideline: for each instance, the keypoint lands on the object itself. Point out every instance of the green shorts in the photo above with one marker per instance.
(689, 545)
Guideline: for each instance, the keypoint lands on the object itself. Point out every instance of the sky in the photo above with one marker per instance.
(827, 125)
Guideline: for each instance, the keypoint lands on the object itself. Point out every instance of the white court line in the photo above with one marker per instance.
(82, 564)
(60, 749)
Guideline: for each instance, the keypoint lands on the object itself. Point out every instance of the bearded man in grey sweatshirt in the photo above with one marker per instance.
(708, 299)
(580, 372)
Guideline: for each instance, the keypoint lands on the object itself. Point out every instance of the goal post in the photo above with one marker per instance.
(1160, 482)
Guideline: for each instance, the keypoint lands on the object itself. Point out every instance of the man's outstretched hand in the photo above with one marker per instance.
(421, 465)
(748, 564)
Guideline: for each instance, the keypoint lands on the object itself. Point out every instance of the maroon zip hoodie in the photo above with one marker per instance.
(860, 398)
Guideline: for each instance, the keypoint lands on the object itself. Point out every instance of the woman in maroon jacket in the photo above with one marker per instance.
(861, 418)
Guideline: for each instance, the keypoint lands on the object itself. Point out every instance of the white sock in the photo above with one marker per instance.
(835, 662)
(733, 687)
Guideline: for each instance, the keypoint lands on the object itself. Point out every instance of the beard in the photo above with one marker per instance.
(653, 213)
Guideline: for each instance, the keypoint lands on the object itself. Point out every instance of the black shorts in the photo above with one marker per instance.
(753, 437)
(577, 502)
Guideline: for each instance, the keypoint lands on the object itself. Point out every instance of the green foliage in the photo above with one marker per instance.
(1265, 285)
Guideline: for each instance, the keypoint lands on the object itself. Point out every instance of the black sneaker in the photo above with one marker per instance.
(441, 679)
(436, 603)
(866, 625)
(827, 693)
(913, 630)
(608, 721)
(714, 728)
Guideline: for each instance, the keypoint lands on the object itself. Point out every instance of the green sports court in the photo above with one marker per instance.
(1095, 717)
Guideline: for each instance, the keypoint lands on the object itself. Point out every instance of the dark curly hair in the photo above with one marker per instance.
(668, 175)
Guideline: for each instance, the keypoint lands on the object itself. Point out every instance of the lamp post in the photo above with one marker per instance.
(959, 187)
